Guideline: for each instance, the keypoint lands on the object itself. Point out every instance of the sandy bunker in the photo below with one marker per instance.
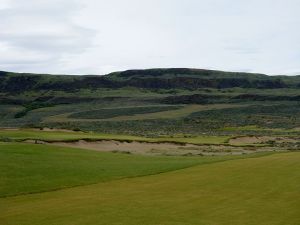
(148, 148)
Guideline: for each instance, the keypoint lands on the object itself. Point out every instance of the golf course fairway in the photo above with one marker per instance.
(252, 191)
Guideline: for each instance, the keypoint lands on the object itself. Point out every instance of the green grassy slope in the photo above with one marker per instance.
(27, 168)
(252, 191)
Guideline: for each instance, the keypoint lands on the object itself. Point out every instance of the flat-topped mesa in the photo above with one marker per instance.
(183, 72)
(176, 78)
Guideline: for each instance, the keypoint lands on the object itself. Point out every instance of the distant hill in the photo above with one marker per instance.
(152, 102)
(184, 72)
(191, 79)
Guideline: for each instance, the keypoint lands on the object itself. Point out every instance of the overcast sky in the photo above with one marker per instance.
(101, 36)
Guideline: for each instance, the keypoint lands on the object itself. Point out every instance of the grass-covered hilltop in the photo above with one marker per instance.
(152, 147)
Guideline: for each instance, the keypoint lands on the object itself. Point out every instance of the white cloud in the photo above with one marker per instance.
(98, 36)
(36, 34)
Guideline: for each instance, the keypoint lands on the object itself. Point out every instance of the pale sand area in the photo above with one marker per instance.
(171, 149)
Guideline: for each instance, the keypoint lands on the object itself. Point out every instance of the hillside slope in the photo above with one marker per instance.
(154, 101)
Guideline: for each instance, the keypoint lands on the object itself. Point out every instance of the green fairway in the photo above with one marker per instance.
(24, 134)
(252, 191)
(28, 168)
